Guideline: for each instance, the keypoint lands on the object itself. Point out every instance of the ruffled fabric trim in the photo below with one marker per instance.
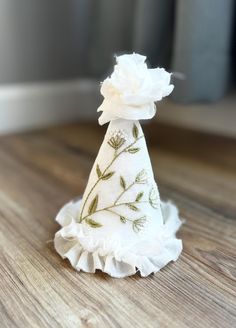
(74, 242)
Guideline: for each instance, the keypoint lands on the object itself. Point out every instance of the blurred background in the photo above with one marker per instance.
(53, 54)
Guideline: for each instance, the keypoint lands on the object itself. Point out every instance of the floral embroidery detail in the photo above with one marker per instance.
(153, 198)
(133, 150)
(103, 176)
(92, 223)
(132, 207)
(139, 196)
(122, 183)
(99, 173)
(116, 141)
(142, 177)
(93, 206)
(122, 132)
(138, 224)
(107, 176)
(135, 131)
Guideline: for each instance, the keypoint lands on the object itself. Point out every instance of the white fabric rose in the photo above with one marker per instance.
(132, 90)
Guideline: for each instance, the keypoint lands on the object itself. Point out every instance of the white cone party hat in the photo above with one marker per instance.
(121, 226)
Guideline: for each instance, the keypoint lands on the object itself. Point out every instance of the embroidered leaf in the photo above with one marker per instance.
(139, 197)
(99, 173)
(123, 219)
(93, 205)
(122, 183)
(107, 176)
(133, 207)
(135, 131)
(141, 177)
(93, 223)
(133, 150)
(153, 198)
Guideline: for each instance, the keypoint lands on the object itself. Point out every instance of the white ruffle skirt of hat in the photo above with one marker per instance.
(74, 242)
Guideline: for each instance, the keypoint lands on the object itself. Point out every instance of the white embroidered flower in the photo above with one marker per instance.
(132, 89)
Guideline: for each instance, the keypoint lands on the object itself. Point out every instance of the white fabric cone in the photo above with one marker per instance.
(128, 228)
(120, 226)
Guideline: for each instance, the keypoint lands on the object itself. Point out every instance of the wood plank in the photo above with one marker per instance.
(40, 171)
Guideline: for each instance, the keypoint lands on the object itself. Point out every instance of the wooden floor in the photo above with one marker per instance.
(40, 171)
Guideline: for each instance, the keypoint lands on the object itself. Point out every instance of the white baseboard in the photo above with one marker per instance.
(218, 118)
(36, 105)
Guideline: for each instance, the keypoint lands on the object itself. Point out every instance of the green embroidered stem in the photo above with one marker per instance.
(86, 199)
(103, 173)
(116, 142)
(124, 191)
(113, 212)
(137, 224)
(120, 216)
(113, 206)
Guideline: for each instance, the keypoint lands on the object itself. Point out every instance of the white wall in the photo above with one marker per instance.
(44, 39)
(34, 105)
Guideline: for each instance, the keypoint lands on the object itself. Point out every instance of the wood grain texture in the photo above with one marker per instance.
(40, 171)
